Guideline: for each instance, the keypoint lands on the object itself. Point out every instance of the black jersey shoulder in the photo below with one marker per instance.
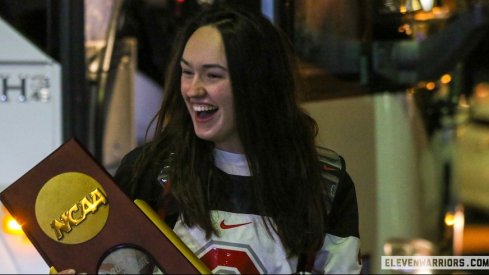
(340, 197)
(332, 173)
(146, 187)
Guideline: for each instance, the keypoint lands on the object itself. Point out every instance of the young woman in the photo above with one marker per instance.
(234, 166)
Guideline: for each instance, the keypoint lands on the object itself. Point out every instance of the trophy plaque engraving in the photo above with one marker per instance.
(77, 217)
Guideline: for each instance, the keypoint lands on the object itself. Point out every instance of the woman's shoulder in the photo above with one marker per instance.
(340, 194)
(133, 155)
(331, 161)
(126, 169)
(134, 182)
(333, 170)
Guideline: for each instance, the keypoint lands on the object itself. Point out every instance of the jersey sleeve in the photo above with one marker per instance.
(340, 251)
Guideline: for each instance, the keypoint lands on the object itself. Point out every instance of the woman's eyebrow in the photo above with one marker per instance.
(206, 66)
(184, 61)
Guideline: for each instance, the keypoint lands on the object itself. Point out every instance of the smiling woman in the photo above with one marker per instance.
(233, 166)
(206, 89)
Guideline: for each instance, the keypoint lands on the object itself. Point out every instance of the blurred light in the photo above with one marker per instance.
(430, 86)
(11, 226)
(413, 5)
(458, 230)
(405, 28)
(435, 13)
(449, 219)
(427, 4)
(446, 78)
(462, 102)
(482, 90)
(205, 2)
(409, 6)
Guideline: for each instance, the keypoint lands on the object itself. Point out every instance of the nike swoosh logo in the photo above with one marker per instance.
(229, 226)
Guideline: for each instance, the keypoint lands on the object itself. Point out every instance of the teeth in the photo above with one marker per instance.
(204, 108)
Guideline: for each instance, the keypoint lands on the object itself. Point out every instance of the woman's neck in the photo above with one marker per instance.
(231, 163)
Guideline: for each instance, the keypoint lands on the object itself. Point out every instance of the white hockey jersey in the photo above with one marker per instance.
(243, 244)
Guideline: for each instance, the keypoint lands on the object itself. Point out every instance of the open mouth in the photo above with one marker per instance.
(204, 111)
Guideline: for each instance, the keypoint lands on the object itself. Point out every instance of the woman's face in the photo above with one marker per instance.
(206, 89)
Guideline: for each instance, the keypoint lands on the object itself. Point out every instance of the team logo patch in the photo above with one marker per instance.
(231, 258)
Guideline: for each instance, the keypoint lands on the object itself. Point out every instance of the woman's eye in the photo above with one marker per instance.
(213, 76)
(187, 72)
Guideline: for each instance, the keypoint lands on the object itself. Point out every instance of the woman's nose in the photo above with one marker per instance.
(196, 88)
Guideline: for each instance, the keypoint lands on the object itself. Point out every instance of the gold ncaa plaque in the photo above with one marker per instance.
(77, 217)
(72, 217)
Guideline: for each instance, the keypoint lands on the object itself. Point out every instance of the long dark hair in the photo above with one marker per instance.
(277, 136)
